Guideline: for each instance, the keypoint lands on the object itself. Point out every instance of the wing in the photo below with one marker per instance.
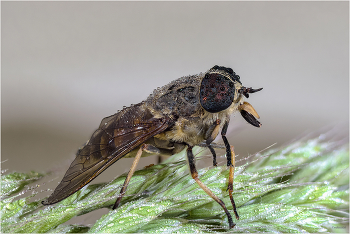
(116, 136)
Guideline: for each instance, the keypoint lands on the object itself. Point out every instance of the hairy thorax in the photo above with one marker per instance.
(179, 100)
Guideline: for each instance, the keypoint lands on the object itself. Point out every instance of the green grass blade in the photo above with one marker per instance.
(303, 187)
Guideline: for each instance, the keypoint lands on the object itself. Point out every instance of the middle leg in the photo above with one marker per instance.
(194, 174)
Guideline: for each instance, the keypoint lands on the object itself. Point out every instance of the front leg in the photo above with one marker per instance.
(211, 135)
(230, 155)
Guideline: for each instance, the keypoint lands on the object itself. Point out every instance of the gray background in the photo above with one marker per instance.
(66, 65)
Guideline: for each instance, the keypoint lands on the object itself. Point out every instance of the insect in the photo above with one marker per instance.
(189, 111)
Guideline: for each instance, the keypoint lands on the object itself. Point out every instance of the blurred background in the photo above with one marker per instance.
(67, 65)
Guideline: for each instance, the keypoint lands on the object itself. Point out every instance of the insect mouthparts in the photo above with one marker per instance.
(245, 91)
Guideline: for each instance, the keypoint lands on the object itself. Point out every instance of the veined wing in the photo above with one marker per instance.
(117, 135)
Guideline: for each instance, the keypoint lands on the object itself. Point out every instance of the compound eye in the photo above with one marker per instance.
(216, 92)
